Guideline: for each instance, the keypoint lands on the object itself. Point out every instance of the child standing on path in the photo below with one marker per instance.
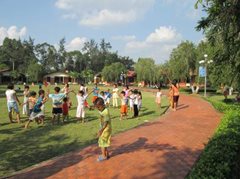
(12, 100)
(37, 112)
(105, 131)
(123, 110)
(159, 97)
(25, 101)
(135, 103)
(57, 99)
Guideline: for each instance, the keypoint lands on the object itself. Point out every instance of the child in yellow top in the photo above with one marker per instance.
(105, 131)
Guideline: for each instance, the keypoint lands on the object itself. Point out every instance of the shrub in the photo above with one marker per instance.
(220, 157)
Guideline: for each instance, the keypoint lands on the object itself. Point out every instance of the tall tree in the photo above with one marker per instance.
(222, 26)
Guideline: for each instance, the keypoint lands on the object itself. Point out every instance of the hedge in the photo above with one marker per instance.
(221, 156)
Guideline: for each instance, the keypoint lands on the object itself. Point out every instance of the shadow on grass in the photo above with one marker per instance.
(33, 146)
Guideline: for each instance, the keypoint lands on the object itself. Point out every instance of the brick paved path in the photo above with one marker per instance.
(166, 148)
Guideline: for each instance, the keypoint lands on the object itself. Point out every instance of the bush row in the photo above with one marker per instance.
(220, 158)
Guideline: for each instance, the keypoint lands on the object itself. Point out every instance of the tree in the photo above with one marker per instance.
(182, 61)
(145, 68)
(222, 26)
(112, 72)
(61, 56)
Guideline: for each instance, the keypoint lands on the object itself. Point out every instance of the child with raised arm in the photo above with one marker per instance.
(26, 94)
(104, 134)
(37, 112)
(81, 98)
(123, 110)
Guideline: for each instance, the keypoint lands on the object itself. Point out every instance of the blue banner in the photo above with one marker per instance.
(202, 71)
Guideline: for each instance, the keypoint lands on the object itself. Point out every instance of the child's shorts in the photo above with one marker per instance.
(123, 108)
(57, 110)
(36, 115)
(12, 105)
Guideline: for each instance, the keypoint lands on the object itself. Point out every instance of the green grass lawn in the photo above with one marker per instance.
(21, 148)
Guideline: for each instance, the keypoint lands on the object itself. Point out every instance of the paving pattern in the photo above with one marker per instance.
(165, 148)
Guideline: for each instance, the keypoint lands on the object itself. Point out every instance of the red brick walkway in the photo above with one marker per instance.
(166, 148)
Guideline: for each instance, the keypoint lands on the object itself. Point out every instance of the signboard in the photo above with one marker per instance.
(202, 71)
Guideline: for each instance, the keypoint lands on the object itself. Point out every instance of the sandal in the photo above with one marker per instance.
(101, 158)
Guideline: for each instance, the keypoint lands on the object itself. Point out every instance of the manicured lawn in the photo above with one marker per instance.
(20, 148)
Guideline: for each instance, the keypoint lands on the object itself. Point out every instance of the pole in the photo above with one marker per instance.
(205, 86)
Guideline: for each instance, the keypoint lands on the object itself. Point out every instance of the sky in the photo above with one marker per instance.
(135, 28)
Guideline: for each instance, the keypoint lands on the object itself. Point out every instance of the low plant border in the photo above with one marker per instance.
(221, 156)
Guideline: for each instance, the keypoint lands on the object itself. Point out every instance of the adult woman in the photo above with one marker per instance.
(175, 88)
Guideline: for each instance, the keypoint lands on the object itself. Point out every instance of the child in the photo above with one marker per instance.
(123, 105)
(115, 96)
(66, 90)
(65, 109)
(31, 101)
(103, 96)
(135, 103)
(131, 96)
(170, 97)
(12, 100)
(37, 112)
(158, 97)
(104, 134)
(81, 98)
(25, 101)
(139, 96)
(108, 95)
(57, 104)
(95, 93)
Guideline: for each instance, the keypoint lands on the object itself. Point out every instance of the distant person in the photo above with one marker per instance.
(159, 97)
(12, 105)
(95, 93)
(104, 134)
(123, 110)
(26, 94)
(131, 97)
(135, 103)
(115, 96)
(139, 101)
(175, 88)
(170, 97)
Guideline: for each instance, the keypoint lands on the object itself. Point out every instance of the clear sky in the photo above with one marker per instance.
(135, 28)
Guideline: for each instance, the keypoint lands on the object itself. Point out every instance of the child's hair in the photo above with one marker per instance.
(99, 102)
(10, 86)
(81, 92)
(57, 89)
(140, 94)
(33, 93)
(102, 93)
(67, 85)
(26, 87)
(123, 92)
(65, 99)
(127, 87)
(40, 92)
(135, 91)
(159, 88)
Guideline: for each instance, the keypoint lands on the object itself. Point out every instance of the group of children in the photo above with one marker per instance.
(33, 107)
